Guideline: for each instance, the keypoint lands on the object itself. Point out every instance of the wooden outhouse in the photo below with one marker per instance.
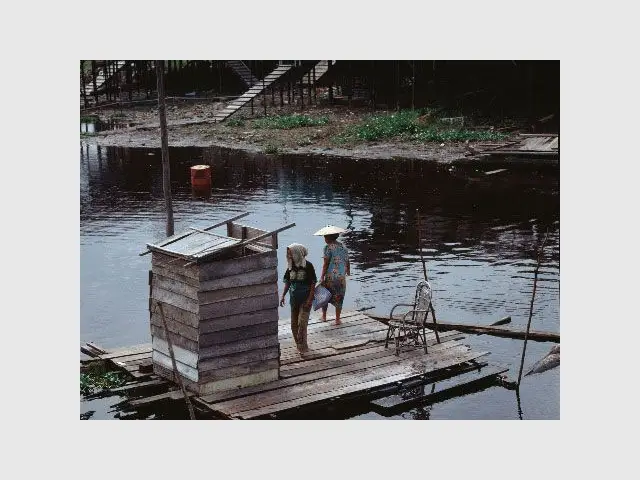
(218, 297)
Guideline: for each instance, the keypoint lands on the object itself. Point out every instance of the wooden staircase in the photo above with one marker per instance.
(101, 78)
(243, 72)
(321, 68)
(250, 94)
(259, 86)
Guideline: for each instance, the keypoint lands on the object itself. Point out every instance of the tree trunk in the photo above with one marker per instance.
(166, 174)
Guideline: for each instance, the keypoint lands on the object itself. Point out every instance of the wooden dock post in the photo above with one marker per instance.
(166, 173)
(533, 294)
(424, 269)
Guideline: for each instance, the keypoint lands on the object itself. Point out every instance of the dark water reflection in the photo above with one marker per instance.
(479, 238)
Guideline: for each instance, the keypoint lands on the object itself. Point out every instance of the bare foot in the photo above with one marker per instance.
(324, 319)
(338, 322)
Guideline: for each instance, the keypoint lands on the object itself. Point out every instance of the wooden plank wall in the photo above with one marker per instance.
(222, 319)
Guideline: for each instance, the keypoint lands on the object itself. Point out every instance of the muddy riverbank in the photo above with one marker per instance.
(192, 125)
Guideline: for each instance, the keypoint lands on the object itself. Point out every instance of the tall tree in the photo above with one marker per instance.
(166, 173)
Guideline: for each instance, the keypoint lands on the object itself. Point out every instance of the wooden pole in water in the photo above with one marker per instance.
(424, 270)
(533, 294)
(192, 415)
(166, 174)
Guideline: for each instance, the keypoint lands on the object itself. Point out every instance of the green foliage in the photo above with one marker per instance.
(96, 378)
(89, 119)
(271, 149)
(406, 125)
(377, 127)
(286, 122)
(235, 122)
(455, 135)
(303, 142)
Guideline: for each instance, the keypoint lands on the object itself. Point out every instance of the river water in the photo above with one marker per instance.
(479, 236)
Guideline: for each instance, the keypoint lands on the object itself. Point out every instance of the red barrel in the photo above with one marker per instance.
(201, 176)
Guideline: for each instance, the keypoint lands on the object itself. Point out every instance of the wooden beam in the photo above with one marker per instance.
(480, 330)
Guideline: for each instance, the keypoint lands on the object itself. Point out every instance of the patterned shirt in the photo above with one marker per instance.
(338, 256)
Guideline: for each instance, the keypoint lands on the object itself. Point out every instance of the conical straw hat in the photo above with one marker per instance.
(330, 230)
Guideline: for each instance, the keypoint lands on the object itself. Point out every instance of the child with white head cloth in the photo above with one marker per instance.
(299, 280)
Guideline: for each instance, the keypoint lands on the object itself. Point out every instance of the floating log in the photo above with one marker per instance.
(480, 330)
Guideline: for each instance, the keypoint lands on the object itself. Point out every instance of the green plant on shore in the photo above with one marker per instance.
(89, 118)
(235, 122)
(303, 142)
(286, 122)
(455, 135)
(417, 125)
(271, 149)
(87, 134)
(96, 378)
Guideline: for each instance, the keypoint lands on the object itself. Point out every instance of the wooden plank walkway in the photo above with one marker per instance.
(344, 362)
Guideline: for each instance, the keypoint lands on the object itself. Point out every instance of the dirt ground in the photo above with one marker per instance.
(191, 125)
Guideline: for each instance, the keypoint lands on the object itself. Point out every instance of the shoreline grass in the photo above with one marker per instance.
(286, 122)
(411, 125)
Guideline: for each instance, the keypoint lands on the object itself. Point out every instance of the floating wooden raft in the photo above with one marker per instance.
(345, 362)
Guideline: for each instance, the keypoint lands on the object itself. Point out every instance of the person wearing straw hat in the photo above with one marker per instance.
(300, 281)
(335, 268)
